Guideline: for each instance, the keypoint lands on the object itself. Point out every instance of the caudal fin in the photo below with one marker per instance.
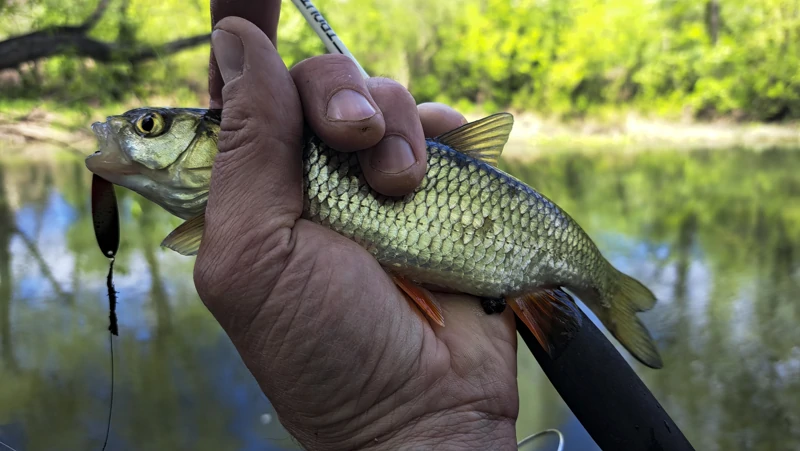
(618, 311)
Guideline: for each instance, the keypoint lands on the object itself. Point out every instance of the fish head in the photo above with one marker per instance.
(164, 154)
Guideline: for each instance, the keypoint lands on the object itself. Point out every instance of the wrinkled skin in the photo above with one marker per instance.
(346, 360)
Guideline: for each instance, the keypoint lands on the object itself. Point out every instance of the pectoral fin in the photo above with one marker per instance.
(422, 297)
(550, 314)
(185, 240)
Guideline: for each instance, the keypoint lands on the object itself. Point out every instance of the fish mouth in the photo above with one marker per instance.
(109, 161)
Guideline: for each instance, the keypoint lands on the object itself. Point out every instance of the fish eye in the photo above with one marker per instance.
(150, 124)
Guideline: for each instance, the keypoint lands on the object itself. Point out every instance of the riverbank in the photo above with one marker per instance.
(534, 135)
(43, 131)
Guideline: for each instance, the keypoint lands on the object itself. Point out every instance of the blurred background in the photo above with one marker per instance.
(666, 128)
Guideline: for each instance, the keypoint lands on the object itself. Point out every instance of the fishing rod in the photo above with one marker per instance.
(326, 34)
(600, 387)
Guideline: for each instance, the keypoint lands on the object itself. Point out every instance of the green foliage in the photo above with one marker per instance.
(564, 57)
(81, 83)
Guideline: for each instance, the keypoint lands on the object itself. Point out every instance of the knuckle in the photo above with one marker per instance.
(247, 108)
(324, 67)
(239, 130)
(383, 83)
(236, 128)
(239, 136)
(399, 109)
(438, 118)
(387, 89)
(438, 107)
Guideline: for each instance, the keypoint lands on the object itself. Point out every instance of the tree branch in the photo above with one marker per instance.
(33, 249)
(41, 44)
(145, 53)
(95, 17)
(73, 40)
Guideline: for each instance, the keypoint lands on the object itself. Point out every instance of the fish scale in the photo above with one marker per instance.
(481, 244)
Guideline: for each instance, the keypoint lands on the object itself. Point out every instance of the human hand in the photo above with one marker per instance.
(345, 359)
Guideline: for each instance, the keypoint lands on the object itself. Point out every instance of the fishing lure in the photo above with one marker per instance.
(105, 217)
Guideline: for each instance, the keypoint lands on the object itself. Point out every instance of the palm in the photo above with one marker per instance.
(389, 358)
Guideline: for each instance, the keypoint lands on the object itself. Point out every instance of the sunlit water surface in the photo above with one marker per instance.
(716, 235)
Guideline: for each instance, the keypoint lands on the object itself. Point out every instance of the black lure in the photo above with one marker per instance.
(105, 216)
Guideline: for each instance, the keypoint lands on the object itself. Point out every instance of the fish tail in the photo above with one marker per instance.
(617, 310)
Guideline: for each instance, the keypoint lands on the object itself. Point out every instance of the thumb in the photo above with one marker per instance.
(260, 133)
(256, 178)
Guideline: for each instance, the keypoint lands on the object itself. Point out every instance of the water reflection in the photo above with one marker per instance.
(715, 234)
(180, 384)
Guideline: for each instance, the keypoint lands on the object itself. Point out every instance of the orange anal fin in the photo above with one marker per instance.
(422, 297)
(551, 315)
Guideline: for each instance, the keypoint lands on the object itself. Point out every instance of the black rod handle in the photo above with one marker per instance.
(609, 399)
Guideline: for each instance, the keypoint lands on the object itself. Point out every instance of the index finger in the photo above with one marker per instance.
(264, 14)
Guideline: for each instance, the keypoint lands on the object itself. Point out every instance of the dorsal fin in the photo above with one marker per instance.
(483, 139)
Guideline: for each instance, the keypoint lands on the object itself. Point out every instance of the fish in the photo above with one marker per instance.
(469, 227)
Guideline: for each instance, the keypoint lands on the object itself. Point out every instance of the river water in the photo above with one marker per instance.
(715, 234)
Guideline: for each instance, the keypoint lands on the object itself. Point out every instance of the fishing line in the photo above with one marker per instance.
(114, 330)
(527, 440)
(7, 446)
(111, 401)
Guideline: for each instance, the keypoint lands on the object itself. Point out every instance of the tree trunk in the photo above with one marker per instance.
(712, 20)
(6, 278)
